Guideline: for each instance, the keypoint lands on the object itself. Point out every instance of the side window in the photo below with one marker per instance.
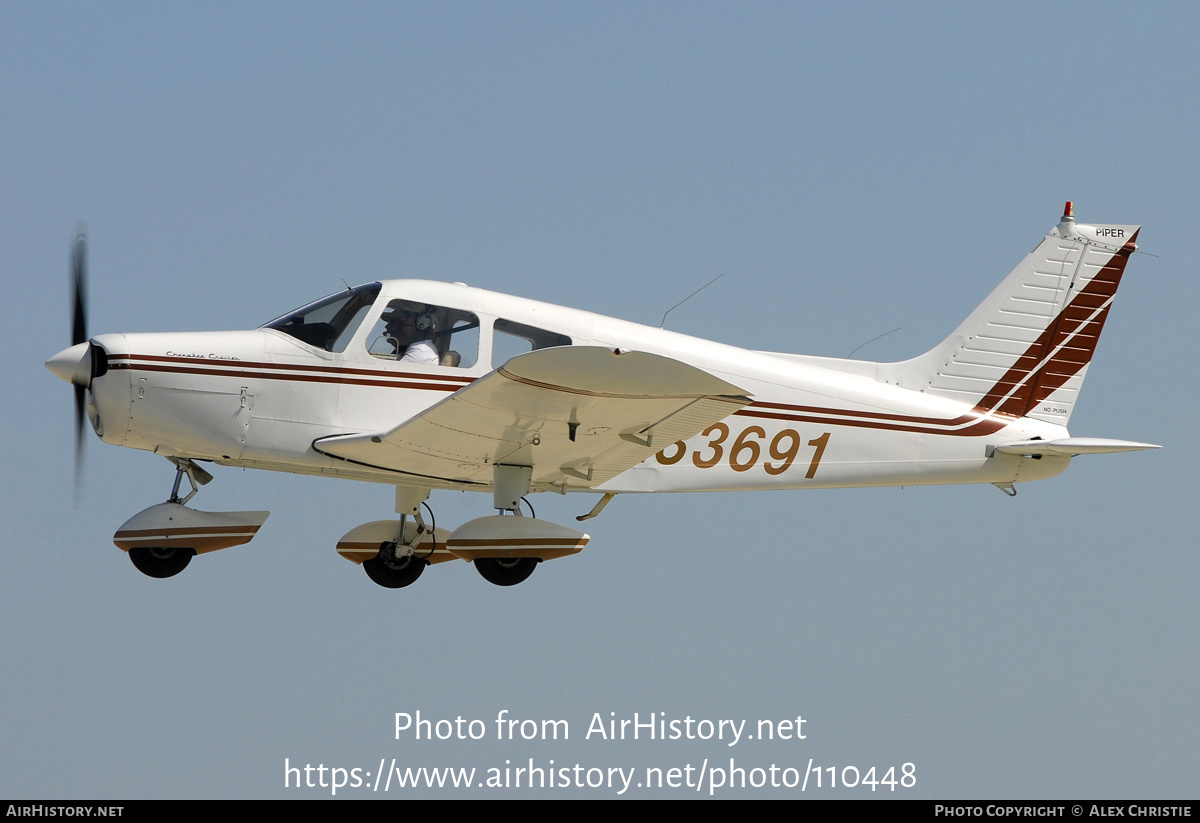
(412, 332)
(511, 339)
(462, 341)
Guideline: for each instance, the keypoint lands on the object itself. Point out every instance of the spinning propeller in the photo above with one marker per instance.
(75, 364)
(79, 326)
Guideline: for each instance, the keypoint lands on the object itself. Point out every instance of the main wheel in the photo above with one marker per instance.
(506, 571)
(160, 562)
(395, 574)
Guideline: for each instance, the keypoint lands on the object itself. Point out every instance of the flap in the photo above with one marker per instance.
(578, 415)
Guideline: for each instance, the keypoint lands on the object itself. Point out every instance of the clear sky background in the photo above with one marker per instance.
(851, 168)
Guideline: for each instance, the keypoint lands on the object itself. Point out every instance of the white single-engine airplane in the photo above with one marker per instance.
(426, 385)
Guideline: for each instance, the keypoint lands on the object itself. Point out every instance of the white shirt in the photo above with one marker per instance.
(421, 351)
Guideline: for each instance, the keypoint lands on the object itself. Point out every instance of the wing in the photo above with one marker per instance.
(578, 415)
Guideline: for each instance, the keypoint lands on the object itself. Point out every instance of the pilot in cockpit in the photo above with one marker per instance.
(410, 328)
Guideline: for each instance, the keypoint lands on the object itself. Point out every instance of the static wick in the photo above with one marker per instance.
(689, 297)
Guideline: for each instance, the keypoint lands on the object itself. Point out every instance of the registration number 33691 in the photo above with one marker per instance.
(746, 450)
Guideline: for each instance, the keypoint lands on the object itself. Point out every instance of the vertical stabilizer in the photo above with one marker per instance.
(1025, 350)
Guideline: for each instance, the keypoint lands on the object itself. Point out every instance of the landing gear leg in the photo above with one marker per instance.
(398, 565)
(196, 476)
(168, 561)
(510, 484)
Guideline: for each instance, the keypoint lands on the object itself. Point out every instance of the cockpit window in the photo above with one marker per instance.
(329, 323)
(413, 332)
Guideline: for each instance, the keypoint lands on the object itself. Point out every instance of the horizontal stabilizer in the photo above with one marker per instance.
(1072, 446)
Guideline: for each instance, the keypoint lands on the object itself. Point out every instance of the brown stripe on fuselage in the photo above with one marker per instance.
(298, 378)
(289, 372)
(979, 426)
(256, 364)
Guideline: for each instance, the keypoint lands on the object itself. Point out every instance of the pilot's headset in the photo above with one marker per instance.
(424, 321)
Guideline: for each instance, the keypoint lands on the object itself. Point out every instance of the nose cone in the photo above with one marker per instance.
(73, 365)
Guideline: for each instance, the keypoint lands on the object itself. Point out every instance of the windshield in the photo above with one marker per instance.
(328, 323)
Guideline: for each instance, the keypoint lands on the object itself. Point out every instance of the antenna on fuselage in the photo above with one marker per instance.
(689, 297)
(873, 339)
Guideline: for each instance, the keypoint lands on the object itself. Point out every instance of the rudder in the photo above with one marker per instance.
(1025, 350)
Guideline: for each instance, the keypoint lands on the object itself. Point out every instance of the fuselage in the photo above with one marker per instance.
(260, 398)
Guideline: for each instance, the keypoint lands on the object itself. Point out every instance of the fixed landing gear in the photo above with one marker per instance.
(506, 571)
(504, 548)
(395, 554)
(394, 572)
(160, 562)
(162, 540)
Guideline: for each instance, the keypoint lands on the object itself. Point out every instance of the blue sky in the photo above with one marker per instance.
(850, 169)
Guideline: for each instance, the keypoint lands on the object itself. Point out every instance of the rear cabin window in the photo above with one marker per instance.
(511, 339)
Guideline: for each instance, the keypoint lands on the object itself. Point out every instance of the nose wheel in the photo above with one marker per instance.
(162, 540)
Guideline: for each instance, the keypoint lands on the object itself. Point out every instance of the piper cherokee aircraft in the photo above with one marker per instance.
(426, 385)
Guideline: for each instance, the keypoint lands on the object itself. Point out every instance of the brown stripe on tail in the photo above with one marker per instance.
(1064, 348)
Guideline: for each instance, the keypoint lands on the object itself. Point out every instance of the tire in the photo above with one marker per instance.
(506, 571)
(160, 562)
(395, 575)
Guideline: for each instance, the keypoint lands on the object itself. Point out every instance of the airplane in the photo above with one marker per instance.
(427, 385)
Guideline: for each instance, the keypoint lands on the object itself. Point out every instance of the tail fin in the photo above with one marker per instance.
(1025, 350)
